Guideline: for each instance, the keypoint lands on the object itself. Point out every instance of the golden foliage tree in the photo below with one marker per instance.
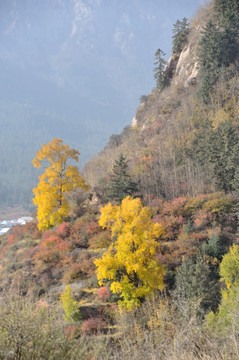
(130, 262)
(59, 179)
(226, 319)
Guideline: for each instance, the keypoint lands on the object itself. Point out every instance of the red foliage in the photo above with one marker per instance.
(93, 326)
(70, 331)
(64, 229)
(175, 207)
(103, 293)
(82, 231)
(52, 250)
(92, 228)
(11, 239)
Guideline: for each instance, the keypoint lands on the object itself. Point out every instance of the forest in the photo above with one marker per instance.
(137, 256)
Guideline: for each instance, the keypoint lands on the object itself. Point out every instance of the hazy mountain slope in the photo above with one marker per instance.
(80, 66)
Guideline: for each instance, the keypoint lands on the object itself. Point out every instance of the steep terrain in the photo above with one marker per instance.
(174, 137)
(72, 70)
(154, 273)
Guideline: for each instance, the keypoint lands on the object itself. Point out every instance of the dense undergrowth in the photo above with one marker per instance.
(36, 267)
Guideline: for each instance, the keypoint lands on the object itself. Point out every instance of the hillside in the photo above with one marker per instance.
(174, 141)
(145, 265)
(73, 70)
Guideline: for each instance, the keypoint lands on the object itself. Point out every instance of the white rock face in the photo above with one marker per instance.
(183, 62)
(191, 80)
(187, 68)
(134, 122)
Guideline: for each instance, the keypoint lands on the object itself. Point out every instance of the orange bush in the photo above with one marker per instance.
(52, 250)
(64, 229)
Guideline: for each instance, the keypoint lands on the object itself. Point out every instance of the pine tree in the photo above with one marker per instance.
(227, 9)
(120, 183)
(218, 47)
(159, 76)
(196, 285)
(180, 35)
(223, 155)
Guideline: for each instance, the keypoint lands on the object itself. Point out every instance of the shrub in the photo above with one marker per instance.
(32, 331)
(74, 273)
(93, 326)
(103, 293)
(100, 240)
(52, 250)
(64, 229)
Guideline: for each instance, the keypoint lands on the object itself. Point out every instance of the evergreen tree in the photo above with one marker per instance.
(159, 75)
(180, 35)
(196, 285)
(218, 47)
(120, 183)
(227, 11)
(223, 155)
(211, 53)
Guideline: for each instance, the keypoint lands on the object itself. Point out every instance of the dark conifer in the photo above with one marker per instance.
(196, 285)
(180, 35)
(159, 74)
(223, 155)
(120, 183)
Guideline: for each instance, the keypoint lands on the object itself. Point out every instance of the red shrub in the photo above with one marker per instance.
(93, 326)
(175, 207)
(92, 228)
(64, 229)
(11, 239)
(52, 250)
(103, 293)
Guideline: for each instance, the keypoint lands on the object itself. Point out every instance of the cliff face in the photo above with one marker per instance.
(182, 69)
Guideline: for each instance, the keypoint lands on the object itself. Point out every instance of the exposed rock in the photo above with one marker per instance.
(187, 68)
(193, 77)
(171, 66)
(134, 122)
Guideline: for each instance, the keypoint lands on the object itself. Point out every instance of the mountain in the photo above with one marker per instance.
(75, 70)
(153, 275)
(184, 138)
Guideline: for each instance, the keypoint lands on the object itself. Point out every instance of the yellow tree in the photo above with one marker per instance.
(59, 179)
(130, 262)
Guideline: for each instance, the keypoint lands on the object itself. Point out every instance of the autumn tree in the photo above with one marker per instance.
(120, 184)
(130, 263)
(69, 305)
(226, 319)
(59, 180)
